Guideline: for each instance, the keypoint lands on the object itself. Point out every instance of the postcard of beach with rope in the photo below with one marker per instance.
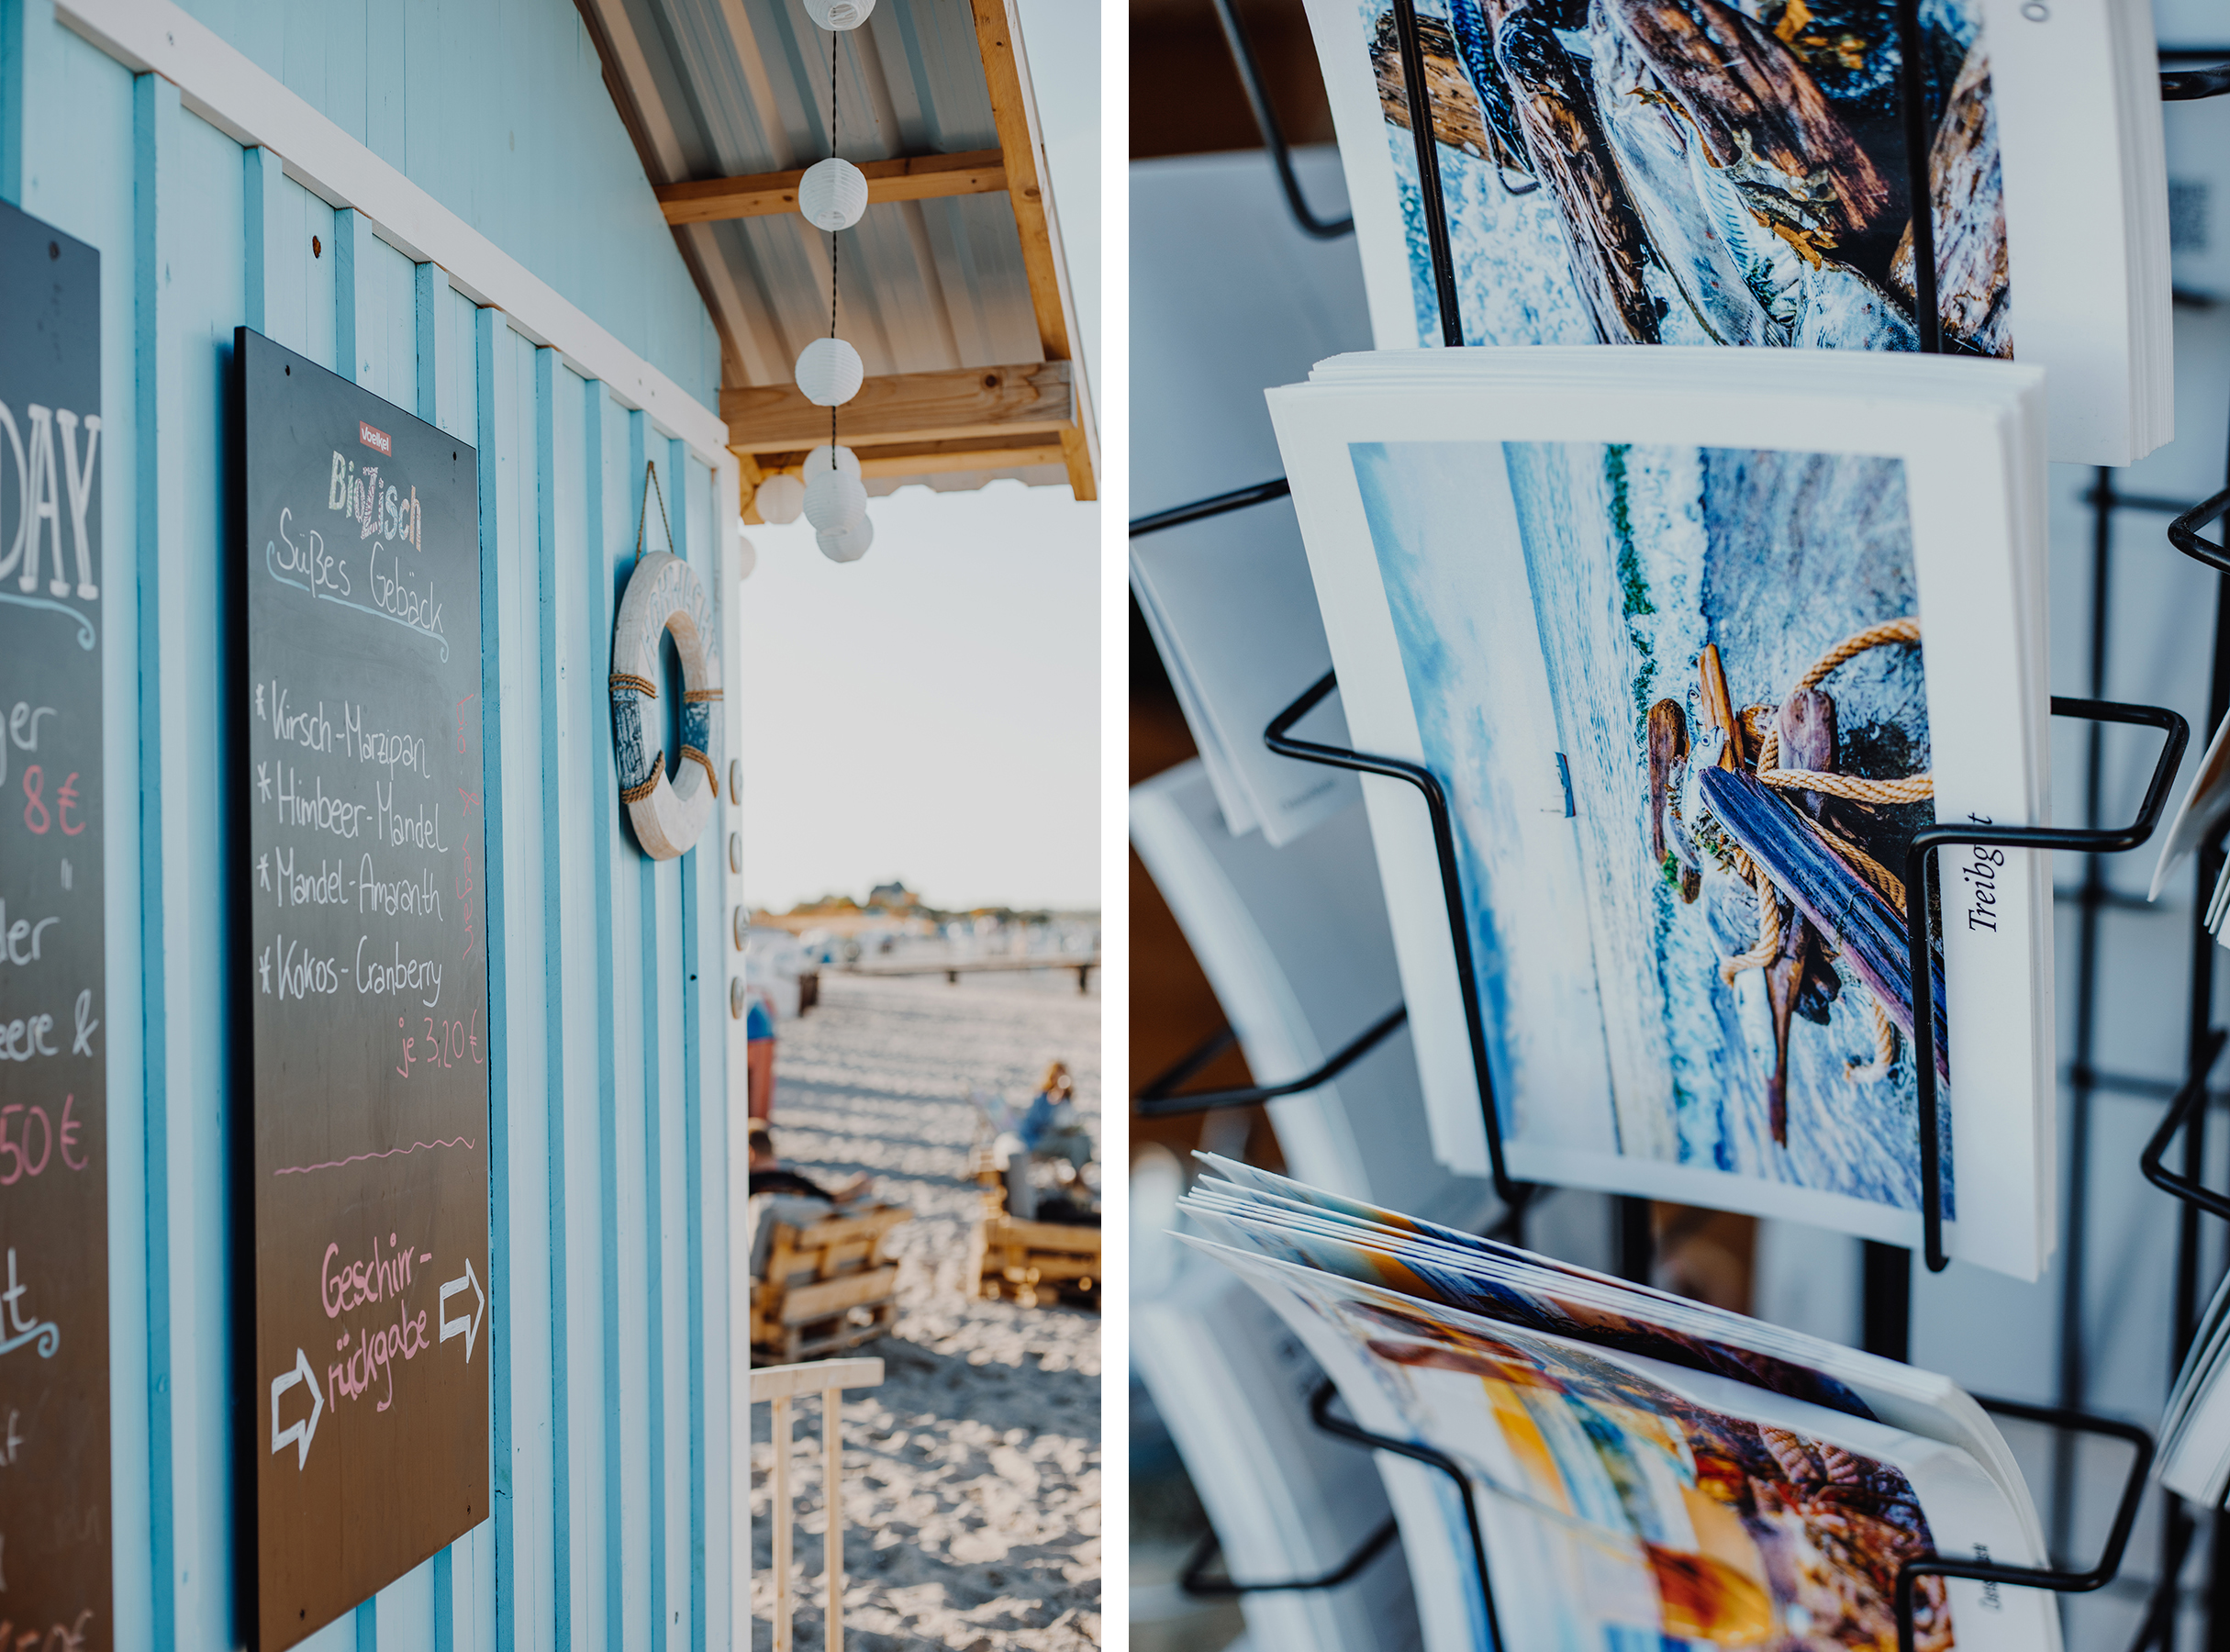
(1689, 704)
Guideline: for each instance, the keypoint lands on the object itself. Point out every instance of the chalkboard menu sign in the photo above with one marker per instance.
(54, 1523)
(366, 977)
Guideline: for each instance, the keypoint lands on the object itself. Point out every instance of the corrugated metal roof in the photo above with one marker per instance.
(728, 88)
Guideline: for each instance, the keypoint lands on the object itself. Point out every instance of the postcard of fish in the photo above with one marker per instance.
(1741, 172)
(1686, 704)
(1624, 1503)
(1698, 171)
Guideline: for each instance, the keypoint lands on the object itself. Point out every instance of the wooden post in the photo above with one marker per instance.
(781, 1426)
(831, 1451)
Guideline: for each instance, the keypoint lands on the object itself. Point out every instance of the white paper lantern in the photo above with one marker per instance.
(851, 543)
(747, 558)
(834, 501)
(780, 498)
(816, 462)
(838, 14)
(832, 194)
(829, 373)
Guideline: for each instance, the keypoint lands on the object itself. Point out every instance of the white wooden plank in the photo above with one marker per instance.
(386, 343)
(404, 1615)
(233, 92)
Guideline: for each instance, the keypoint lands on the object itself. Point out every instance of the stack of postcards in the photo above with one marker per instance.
(2195, 1434)
(1639, 1466)
(1229, 604)
(1638, 171)
(1695, 640)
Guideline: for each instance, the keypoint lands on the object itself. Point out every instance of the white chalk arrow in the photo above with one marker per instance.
(298, 1433)
(464, 1325)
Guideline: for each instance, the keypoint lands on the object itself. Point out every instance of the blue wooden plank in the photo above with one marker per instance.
(670, 1446)
(653, 1040)
(700, 1040)
(491, 337)
(631, 992)
(598, 418)
(155, 160)
(550, 636)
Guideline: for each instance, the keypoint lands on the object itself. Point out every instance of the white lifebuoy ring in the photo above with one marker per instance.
(668, 814)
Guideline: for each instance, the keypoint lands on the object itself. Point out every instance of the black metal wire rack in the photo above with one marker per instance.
(1886, 1304)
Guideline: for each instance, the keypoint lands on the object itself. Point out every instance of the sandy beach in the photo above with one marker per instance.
(972, 1476)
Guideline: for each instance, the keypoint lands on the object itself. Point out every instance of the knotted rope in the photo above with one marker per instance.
(1913, 788)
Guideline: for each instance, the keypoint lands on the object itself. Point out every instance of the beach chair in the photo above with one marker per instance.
(827, 1285)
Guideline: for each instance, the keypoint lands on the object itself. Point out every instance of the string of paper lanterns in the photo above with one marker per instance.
(832, 196)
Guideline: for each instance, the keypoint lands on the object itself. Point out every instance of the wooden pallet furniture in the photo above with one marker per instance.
(774, 1387)
(1034, 1261)
(828, 1287)
(1028, 1261)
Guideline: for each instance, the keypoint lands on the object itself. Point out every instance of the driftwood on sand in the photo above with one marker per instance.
(1800, 981)
(1847, 910)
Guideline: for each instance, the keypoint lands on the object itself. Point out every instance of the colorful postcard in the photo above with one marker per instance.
(1685, 697)
(1739, 173)
(1624, 1503)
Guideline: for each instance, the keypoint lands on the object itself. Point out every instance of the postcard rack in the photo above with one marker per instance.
(1887, 1291)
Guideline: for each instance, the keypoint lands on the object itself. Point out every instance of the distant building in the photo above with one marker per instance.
(892, 898)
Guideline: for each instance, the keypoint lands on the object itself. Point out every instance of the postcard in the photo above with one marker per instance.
(1696, 643)
(1737, 172)
(1621, 1500)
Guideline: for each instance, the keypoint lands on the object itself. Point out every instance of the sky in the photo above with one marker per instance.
(930, 712)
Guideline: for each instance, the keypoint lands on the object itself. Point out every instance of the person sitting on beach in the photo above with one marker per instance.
(1048, 1130)
(769, 1174)
(759, 1057)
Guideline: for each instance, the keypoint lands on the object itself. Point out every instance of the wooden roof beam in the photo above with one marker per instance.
(1014, 113)
(983, 406)
(931, 458)
(909, 178)
(911, 459)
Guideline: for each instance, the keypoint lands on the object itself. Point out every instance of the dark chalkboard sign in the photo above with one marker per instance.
(366, 978)
(54, 1523)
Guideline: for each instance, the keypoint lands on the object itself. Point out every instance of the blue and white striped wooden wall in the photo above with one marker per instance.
(610, 1329)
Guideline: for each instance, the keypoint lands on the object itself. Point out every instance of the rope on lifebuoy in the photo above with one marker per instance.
(665, 597)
